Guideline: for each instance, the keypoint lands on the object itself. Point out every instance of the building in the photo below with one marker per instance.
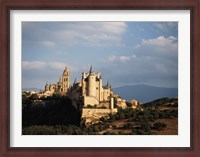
(89, 95)
(62, 86)
(90, 92)
(92, 98)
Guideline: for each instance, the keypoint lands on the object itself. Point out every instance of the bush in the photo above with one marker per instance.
(112, 118)
(174, 113)
(159, 126)
(52, 130)
(161, 114)
(95, 128)
(128, 126)
(145, 127)
(34, 97)
(106, 133)
(139, 132)
(121, 133)
(53, 112)
(103, 119)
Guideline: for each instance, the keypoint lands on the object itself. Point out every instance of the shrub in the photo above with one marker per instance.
(139, 132)
(120, 133)
(129, 126)
(103, 119)
(95, 128)
(145, 127)
(159, 126)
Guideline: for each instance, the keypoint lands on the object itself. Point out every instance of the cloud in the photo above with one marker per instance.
(75, 33)
(122, 58)
(39, 65)
(153, 61)
(37, 73)
(166, 26)
(156, 64)
(158, 46)
(26, 65)
(161, 41)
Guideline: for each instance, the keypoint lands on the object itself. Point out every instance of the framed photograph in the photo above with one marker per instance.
(99, 78)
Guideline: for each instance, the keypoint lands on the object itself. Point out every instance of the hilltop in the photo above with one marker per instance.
(145, 93)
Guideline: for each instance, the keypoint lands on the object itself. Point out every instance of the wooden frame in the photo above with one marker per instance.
(8, 5)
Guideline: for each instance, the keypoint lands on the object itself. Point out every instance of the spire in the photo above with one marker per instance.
(75, 81)
(65, 72)
(108, 84)
(90, 69)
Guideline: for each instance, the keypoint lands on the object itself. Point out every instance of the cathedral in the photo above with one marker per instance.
(62, 85)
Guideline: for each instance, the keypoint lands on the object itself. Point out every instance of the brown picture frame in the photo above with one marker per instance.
(8, 5)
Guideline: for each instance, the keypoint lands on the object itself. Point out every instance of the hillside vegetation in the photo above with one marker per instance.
(56, 116)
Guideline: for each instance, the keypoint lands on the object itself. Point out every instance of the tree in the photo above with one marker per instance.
(34, 97)
(159, 126)
(146, 127)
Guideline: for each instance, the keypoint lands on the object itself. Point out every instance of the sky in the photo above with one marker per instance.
(126, 53)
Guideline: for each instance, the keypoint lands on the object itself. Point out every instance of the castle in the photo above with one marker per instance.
(88, 93)
(90, 96)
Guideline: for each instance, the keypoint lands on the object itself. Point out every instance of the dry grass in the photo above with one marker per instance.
(171, 129)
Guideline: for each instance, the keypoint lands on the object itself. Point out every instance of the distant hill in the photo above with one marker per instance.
(30, 89)
(145, 93)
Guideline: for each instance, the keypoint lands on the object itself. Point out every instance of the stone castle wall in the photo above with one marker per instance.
(90, 100)
(92, 116)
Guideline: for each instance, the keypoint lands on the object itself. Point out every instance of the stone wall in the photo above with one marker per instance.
(91, 116)
(90, 100)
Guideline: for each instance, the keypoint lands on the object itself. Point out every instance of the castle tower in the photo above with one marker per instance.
(91, 83)
(65, 80)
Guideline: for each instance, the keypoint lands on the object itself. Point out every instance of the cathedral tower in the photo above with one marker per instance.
(65, 80)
